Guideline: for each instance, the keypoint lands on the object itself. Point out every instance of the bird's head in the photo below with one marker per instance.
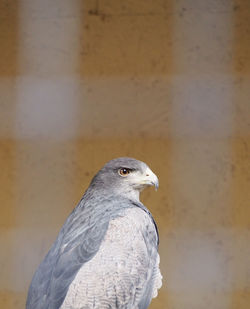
(126, 176)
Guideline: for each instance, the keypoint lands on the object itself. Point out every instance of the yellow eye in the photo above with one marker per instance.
(124, 171)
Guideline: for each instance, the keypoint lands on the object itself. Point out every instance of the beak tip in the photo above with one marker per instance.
(156, 186)
(156, 183)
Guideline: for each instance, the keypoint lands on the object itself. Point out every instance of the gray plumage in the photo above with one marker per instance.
(106, 254)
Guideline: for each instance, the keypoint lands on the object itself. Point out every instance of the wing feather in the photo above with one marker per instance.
(54, 275)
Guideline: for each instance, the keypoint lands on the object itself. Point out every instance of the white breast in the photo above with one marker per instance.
(118, 274)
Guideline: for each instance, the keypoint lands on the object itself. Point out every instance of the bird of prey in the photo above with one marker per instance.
(106, 254)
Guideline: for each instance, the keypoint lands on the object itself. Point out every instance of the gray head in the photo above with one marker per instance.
(126, 176)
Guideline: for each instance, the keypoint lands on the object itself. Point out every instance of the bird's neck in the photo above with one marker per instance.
(128, 193)
(131, 194)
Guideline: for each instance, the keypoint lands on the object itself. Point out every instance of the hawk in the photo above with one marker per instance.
(106, 254)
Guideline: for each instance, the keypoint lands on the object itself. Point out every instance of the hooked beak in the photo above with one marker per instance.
(150, 179)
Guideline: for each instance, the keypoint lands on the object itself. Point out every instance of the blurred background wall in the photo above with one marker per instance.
(164, 81)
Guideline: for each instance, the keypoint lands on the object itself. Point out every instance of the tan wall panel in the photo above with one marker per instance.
(7, 179)
(241, 55)
(9, 37)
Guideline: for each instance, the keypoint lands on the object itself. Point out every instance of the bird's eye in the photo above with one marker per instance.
(124, 171)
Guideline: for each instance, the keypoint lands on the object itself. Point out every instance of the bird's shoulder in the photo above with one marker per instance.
(135, 223)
